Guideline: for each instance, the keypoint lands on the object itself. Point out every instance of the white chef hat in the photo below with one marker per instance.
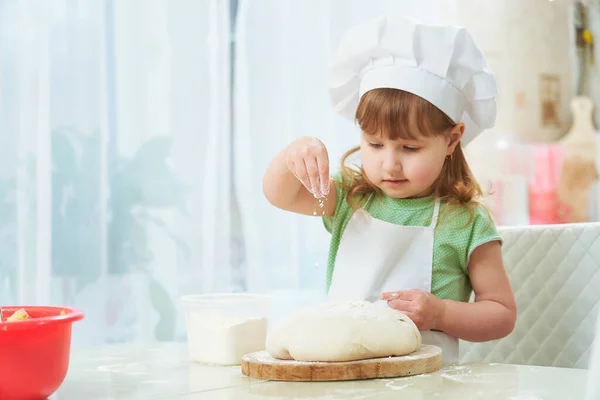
(441, 64)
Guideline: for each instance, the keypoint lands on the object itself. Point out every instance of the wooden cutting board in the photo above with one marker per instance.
(261, 365)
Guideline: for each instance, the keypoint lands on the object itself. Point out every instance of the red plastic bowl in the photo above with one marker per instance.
(34, 354)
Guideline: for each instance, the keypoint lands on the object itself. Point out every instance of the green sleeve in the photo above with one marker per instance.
(331, 221)
(483, 230)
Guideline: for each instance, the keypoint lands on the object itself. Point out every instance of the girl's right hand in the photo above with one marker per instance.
(307, 159)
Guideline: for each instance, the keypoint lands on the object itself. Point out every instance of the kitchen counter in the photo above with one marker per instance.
(163, 371)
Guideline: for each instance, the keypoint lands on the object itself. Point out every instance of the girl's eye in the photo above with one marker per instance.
(376, 145)
(411, 149)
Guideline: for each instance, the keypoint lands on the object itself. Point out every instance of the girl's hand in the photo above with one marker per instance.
(307, 159)
(423, 308)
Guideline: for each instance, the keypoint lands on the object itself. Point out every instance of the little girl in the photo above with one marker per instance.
(407, 224)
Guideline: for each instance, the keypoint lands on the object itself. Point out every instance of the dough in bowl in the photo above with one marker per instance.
(343, 331)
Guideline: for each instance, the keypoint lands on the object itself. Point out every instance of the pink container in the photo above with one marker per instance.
(544, 206)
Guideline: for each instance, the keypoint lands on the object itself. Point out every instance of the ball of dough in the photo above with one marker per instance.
(343, 331)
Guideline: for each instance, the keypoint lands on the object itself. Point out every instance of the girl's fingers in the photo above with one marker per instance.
(313, 175)
(400, 305)
(323, 166)
(300, 172)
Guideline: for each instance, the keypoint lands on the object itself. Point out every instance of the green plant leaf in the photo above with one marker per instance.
(161, 302)
(182, 245)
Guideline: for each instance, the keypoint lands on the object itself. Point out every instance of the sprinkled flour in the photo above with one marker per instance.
(321, 204)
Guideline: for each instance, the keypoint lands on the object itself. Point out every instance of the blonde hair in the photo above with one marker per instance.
(395, 114)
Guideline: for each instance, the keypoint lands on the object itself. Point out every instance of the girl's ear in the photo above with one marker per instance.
(456, 133)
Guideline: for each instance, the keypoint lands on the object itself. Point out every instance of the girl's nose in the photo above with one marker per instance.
(392, 162)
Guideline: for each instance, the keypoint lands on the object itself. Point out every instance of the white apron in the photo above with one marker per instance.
(375, 256)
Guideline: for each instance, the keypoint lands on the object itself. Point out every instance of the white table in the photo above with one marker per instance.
(163, 371)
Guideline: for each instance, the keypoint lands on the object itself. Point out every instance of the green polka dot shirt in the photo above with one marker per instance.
(456, 236)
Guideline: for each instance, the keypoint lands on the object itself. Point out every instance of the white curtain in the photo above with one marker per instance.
(282, 51)
(115, 175)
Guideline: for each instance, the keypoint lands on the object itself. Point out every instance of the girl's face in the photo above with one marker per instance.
(406, 168)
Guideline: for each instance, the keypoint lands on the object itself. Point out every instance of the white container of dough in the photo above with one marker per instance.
(222, 328)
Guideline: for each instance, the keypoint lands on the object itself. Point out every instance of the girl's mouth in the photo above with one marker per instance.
(395, 182)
